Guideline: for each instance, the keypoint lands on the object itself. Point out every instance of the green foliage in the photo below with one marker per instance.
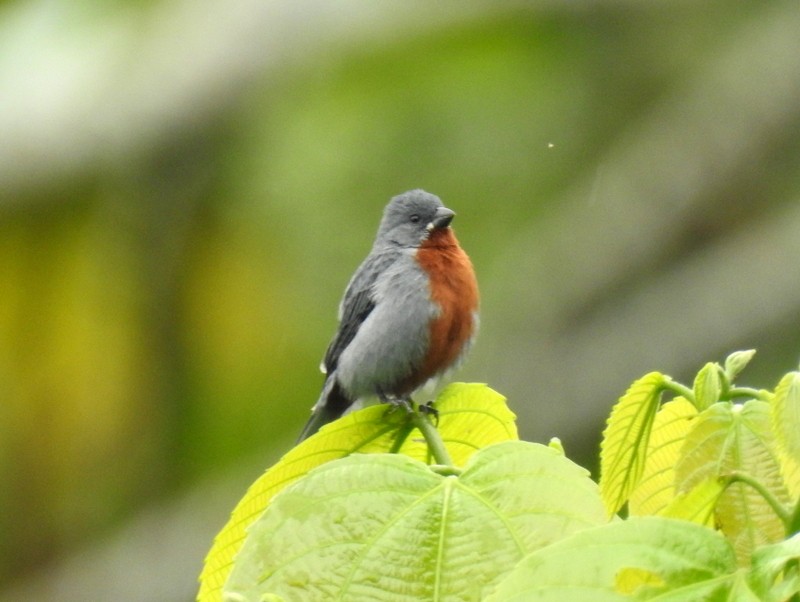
(624, 446)
(707, 385)
(647, 556)
(655, 490)
(786, 425)
(743, 438)
(387, 527)
(696, 505)
(727, 439)
(465, 511)
(471, 416)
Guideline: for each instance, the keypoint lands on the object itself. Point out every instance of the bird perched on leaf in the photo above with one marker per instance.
(409, 313)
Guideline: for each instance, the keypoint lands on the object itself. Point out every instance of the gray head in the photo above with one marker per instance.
(409, 218)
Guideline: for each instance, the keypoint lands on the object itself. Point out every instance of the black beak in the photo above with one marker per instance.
(442, 218)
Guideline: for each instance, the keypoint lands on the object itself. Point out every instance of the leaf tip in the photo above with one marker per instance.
(555, 443)
(737, 361)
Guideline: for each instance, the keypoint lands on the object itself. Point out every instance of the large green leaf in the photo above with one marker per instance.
(768, 578)
(388, 527)
(656, 489)
(624, 447)
(471, 416)
(786, 425)
(642, 557)
(728, 438)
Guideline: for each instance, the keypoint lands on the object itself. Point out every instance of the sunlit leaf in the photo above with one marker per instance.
(656, 489)
(786, 425)
(768, 578)
(556, 444)
(387, 527)
(736, 362)
(698, 504)
(629, 581)
(728, 438)
(471, 416)
(707, 386)
(648, 556)
(625, 439)
(741, 591)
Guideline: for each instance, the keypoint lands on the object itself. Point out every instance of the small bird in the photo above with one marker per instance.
(409, 313)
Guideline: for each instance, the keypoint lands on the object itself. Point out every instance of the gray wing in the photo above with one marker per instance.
(357, 304)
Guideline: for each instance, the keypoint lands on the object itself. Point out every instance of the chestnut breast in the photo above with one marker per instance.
(455, 290)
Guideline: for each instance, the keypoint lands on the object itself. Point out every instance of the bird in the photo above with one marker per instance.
(409, 313)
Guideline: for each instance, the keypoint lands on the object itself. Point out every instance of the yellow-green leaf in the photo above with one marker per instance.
(736, 362)
(556, 444)
(774, 572)
(656, 488)
(629, 581)
(707, 386)
(642, 558)
(728, 438)
(386, 527)
(625, 439)
(698, 504)
(786, 425)
(471, 417)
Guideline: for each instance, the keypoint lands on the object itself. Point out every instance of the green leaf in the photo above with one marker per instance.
(707, 386)
(698, 504)
(741, 591)
(656, 489)
(767, 576)
(387, 527)
(556, 444)
(786, 425)
(471, 416)
(624, 447)
(728, 438)
(603, 564)
(736, 362)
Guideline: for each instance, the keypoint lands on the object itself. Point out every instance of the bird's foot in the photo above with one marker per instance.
(396, 403)
(428, 409)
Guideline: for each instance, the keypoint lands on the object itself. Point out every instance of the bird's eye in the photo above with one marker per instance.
(414, 218)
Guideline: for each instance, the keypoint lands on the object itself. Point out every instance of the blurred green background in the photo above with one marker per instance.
(186, 186)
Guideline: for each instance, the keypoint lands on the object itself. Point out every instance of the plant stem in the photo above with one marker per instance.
(680, 389)
(432, 437)
(777, 507)
(794, 527)
(747, 392)
(401, 437)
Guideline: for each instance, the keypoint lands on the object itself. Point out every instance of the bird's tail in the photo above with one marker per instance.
(331, 405)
